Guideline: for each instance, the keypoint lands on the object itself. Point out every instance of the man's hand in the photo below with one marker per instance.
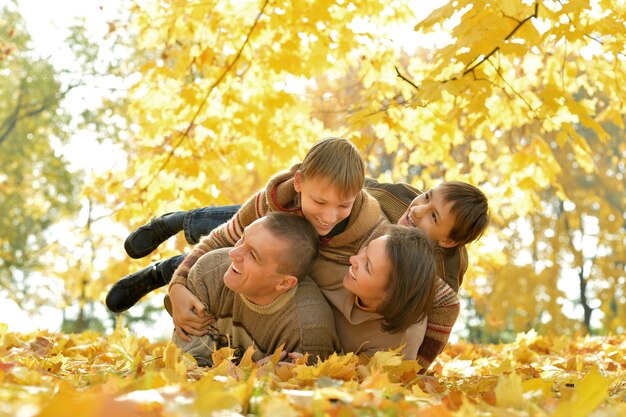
(286, 359)
(188, 312)
(291, 359)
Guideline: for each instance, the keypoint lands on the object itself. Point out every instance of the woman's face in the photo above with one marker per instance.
(369, 273)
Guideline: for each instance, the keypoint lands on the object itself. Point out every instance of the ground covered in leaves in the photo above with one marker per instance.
(84, 375)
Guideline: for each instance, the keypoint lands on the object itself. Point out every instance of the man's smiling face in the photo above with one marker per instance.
(254, 269)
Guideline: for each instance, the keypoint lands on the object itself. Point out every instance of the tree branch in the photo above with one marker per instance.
(185, 133)
(9, 123)
(23, 112)
(516, 93)
(404, 78)
(507, 37)
(602, 43)
(486, 57)
(579, 258)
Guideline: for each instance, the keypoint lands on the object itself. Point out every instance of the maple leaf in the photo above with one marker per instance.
(220, 355)
(41, 346)
(175, 362)
(246, 360)
(406, 372)
(341, 367)
(97, 406)
(385, 359)
(509, 391)
(212, 395)
(89, 384)
(589, 394)
(278, 406)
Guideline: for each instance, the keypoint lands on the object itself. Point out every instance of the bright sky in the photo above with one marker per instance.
(47, 21)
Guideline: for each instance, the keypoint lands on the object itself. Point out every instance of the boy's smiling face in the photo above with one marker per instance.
(431, 214)
(322, 204)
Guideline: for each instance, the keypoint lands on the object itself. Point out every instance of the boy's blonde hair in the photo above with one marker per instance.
(338, 161)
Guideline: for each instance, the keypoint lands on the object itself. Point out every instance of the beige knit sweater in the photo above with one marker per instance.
(301, 319)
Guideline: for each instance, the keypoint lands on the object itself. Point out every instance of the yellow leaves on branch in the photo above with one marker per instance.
(314, 69)
(506, 77)
(540, 67)
(54, 375)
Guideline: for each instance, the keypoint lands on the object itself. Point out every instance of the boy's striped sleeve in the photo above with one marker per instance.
(446, 308)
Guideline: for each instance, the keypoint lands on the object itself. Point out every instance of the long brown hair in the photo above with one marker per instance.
(411, 286)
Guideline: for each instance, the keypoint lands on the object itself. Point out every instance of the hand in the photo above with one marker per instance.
(285, 359)
(290, 359)
(188, 312)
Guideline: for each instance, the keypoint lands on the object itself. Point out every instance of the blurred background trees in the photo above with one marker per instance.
(523, 99)
(52, 121)
(37, 187)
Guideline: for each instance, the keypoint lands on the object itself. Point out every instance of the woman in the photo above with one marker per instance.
(387, 293)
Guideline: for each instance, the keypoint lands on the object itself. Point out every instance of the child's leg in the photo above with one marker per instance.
(145, 239)
(167, 267)
(130, 289)
(200, 222)
(196, 223)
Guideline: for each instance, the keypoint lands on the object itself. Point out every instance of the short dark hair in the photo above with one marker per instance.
(300, 238)
(470, 209)
(411, 287)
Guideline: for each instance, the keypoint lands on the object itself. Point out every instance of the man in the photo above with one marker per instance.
(260, 295)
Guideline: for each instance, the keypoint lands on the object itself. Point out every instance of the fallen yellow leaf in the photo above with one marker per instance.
(589, 394)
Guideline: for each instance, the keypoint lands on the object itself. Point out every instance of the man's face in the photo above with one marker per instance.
(322, 204)
(253, 271)
(431, 213)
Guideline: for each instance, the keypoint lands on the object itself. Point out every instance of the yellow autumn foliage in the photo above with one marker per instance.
(567, 377)
(520, 98)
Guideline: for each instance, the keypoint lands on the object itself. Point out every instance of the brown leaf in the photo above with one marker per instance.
(41, 346)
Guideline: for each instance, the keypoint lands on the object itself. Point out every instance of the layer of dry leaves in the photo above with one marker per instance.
(83, 375)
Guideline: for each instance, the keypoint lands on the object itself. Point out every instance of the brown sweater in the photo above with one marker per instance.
(300, 318)
(365, 223)
(360, 330)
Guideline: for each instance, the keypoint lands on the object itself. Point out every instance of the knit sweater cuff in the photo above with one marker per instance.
(177, 280)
